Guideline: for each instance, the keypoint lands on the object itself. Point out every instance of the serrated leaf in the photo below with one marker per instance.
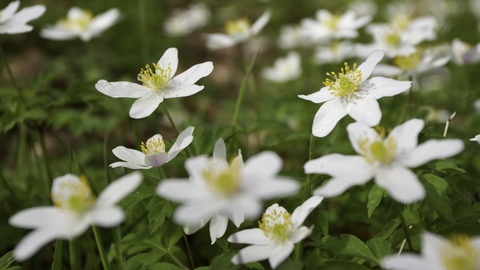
(356, 247)
(163, 266)
(143, 259)
(380, 247)
(6, 260)
(443, 166)
(388, 230)
(142, 193)
(158, 209)
(374, 198)
(441, 203)
(438, 183)
(254, 265)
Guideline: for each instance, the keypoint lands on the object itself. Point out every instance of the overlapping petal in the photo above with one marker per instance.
(145, 105)
(401, 183)
(327, 117)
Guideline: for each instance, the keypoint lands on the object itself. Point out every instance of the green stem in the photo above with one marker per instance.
(160, 174)
(405, 229)
(5, 183)
(45, 158)
(117, 236)
(189, 250)
(242, 91)
(73, 255)
(177, 261)
(57, 256)
(9, 71)
(173, 125)
(101, 250)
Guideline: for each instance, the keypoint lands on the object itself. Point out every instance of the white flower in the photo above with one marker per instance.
(276, 236)
(385, 159)
(284, 69)
(328, 26)
(15, 23)
(438, 253)
(74, 211)
(80, 23)
(290, 37)
(153, 152)
(157, 84)
(439, 116)
(350, 93)
(236, 32)
(334, 52)
(218, 191)
(476, 105)
(463, 53)
(363, 7)
(183, 22)
(476, 138)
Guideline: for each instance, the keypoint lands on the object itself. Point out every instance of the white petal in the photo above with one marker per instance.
(220, 150)
(320, 96)
(278, 187)
(366, 110)
(132, 156)
(337, 165)
(386, 70)
(57, 34)
(401, 183)
(300, 213)
(408, 262)
(193, 213)
(430, 150)
(104, 21)
(145, 106)
(369, 64)
(185, 91)
(32, 242)
(29, 13)
(250, 236)
(15, 28)
(253, 254)
(192, 75)
(129, 165)
(432, 245)
(249, 205)
(169, 59)
(358, 132)
(37, 217)
(476, 138)
(281, 254)
(237, 217)
(178, 190)
(263, 166)
(383, 87)
(122, 89)
(107, 216)
(300, 234)
(118, 189)
(157, 160)
(184, 139)
(9, 10)
(260, 23)
(406, 135)
(192, 228)
(218, 226)
(327, 117)
(218, 41)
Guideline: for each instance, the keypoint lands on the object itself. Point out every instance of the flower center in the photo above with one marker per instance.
(392, 39)
(401, 22)
(240, 26)
(332, 22)
(221, 177)
(153, 146)
(344, 83)
(460, 254)
(276, 223)
(155, 80)
(79, 22)
(72, 193)
(407, 62)
(382, 151)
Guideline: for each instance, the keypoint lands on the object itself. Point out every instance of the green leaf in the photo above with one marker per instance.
(6, 260)
(254, 265)
(357, 248)
(143, 259)
(441, 203)
(142, 193)
(203, 268)
(344, 265)
(374, 198)
(163, 266)
(290, 265)
(380, 247)
(222, 263)
(438, 183)
(158, 209)
(443, 166)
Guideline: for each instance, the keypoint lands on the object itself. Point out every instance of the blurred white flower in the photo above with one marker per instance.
(15, 23)
(439, 253)
(385, 159)
(183, 22)
(290, 37)
(217, 191)
(153, 152)
(327, 26)
(80, 23)
(75, 210)
(434, 115)
(276, 236)
(284, 69)
(363, 7)
(158, 84)
(476, 106)
(463, 53)
(350, 93)
(476, 138)
(236, 32)
(334, 52)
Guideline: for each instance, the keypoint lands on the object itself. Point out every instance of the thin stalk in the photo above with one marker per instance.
(187, 245)
(5, 183)
(73, 255)
(45, 158)
(241, 92)
(173, 125)
(405, 229)
(177, 261)
(160, 173)
(9, 71)
(57, 256)
(101, 250)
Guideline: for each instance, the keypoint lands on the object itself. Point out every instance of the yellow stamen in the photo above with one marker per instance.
(276, 224)
(153, 146)
(155, 80)
(237, 27)
(407, 62)
(332, 22)
(382, 151)
(223, 178)
(344, 83)
(72, 194)
(392, 39)
(460, 254)
(80, 22)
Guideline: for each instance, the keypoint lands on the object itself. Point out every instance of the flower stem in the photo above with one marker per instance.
(101, 250)
(173, 125)
(242, 90)
(45, 158)
(405, 229)
(189, 250)
(9, 71)
(177, 261)
(73, 255)
(57, 256)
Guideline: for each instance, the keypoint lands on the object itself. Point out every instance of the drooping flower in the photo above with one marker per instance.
(81, 23)
(386, 159)
(349, 92)
(277, 234)
(284, 69)
(439, 253)
(218, 191)
(153, 152)
(158, 84)
(236, 32)
(75, 210)
(183, 22)
(15, 23)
